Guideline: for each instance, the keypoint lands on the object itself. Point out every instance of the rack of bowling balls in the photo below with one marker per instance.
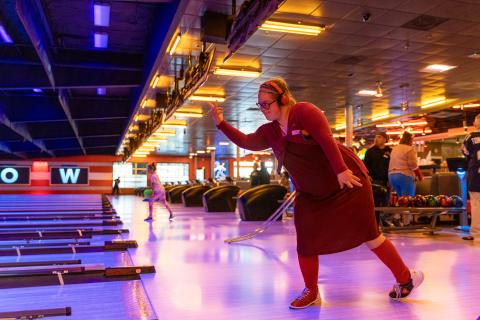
(429, 201)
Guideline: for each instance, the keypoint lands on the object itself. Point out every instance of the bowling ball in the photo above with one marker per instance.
(456, 201)
(404, 201)
(431, 201)
(443, 201)
(419, 201)
(147, 193)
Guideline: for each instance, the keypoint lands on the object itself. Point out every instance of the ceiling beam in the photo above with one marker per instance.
(35, 23)
(23, 132)
(6, 149)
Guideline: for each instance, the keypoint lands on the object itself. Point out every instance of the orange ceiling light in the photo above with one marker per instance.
(296, 28)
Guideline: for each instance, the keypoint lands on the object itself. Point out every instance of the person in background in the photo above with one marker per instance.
(471, 149)
(255, 176)
(116, 187)
(264, 175)
(158, 193)
(229, 180)
(284, 180)
(403, 169)
(377, 159)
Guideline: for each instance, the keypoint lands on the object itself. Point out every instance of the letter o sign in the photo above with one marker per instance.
(9, 175)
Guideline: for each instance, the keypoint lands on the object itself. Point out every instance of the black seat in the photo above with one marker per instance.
(446, 183)
(192, 196)
(220, 199)
(257, 204)
(424, 187)
(174, 195)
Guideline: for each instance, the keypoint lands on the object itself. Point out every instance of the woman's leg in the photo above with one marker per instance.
(309, 267)
(386, 252)
(407, 279)
(167, 206)
(310, 295)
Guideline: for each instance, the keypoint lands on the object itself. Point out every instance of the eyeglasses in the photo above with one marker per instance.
(265, 105)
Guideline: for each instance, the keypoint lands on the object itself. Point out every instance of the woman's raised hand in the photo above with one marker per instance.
(217, 112)
(347, 178)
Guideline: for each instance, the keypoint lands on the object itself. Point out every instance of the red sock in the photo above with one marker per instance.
(390, 257)
(309, 268)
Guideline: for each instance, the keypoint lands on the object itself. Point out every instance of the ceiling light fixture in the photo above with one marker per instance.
(367, 93)
(223, 71)
(165, 132)
(467, 106)
(101, 14)
(175, 44)
(211, 148)
(188, 114)
(206, 98)
(155, 82)
(37, 90)
(224, 143)
(297, 28)
(437, 68)
(376, 118)
(433, 104)
(475, 55)
(4, 35)
(100, 40)
(101, 91)
(175, 124)
(201, 151)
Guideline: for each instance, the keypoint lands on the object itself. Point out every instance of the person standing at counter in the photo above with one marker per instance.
(402, 170)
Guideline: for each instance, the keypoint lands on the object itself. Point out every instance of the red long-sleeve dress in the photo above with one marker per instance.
(327, 219)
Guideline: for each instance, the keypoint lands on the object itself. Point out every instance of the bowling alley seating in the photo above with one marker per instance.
(220, 199)
(446, 183)
(257, 204)
(424, 187)
(192, 197)
(174, 195)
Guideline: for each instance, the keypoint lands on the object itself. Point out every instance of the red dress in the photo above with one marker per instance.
(327, 219)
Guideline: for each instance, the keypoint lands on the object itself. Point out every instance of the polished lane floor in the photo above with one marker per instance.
(200, 277)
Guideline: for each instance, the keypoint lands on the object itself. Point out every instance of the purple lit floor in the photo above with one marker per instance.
(200, 277)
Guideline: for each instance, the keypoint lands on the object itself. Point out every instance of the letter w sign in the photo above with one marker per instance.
(68, 176)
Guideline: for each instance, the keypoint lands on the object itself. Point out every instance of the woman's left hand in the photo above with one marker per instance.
(347, 178)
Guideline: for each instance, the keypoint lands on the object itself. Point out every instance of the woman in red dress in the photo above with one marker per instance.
(334, 209)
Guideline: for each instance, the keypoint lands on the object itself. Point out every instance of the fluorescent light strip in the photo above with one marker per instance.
(175, 44)
(236, 73)
(468, 105)
(4, 35)
(303, 29)
(211, 148)
(165, 133)
(100, 40)
(380, 117)
(37, 90)
(101, 14)
(367, 93)
(155, 82)
(207, 98)
(101, 91)
(433, 104)
(201, 151)
(438, 68)
(224, 143)
(188, 114)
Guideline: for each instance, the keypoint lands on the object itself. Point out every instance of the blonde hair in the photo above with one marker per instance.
(282, 84)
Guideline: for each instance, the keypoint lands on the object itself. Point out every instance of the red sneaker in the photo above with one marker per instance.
(307, 298)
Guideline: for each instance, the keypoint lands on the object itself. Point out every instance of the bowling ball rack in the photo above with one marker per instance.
(429, 229)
